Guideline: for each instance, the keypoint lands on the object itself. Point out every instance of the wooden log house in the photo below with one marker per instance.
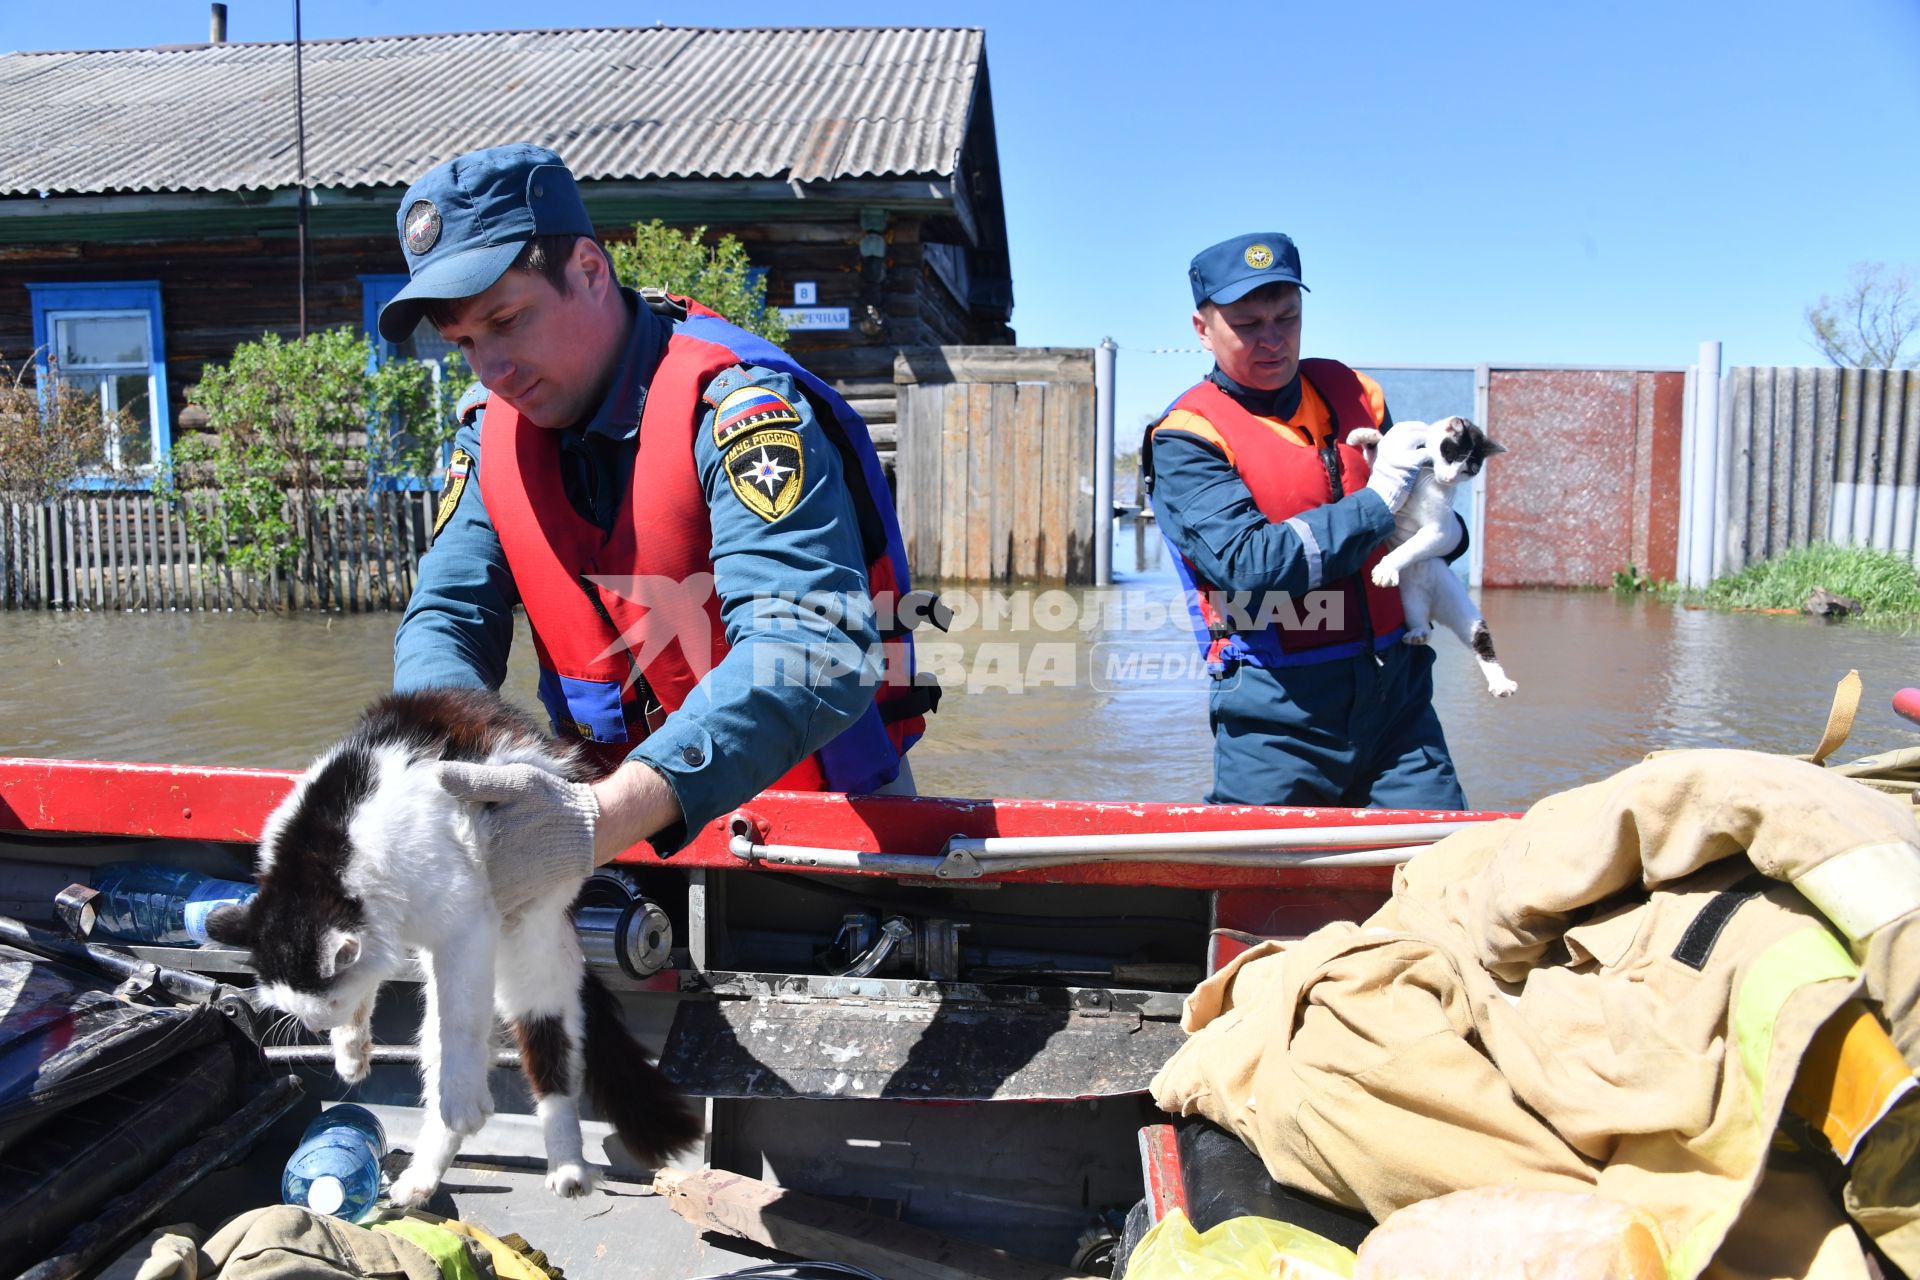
(153, 211)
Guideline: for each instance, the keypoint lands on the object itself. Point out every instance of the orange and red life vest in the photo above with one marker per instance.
(1289, 467)
(618, 615)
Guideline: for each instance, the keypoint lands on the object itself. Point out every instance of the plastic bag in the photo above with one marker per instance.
(1238, 1249)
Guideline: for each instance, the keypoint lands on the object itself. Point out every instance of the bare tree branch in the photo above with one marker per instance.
(1870, 325)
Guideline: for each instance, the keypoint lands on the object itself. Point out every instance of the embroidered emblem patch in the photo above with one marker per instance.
(751, 407)
(423, 227)
(1259, 257)
(458, 469)
(767, 472)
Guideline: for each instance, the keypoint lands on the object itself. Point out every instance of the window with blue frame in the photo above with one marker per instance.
(106, 338)
(424, 344)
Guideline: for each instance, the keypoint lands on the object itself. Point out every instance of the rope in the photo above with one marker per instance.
(1163, 351)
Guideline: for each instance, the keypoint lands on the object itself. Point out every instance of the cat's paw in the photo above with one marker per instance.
(571, 1179)
(464, 1110)
(413, 1188)
(352, 1053)
(1363, 437)
(1383, 576)
(1417, 635)
(1501, 687)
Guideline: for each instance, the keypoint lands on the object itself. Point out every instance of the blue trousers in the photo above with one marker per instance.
(1352, 733)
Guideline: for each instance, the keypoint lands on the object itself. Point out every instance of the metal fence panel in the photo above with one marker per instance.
(1818, 455)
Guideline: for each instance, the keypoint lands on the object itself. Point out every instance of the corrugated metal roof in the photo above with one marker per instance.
(653, 102)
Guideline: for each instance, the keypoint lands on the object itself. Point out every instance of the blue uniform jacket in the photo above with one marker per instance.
(719, 751)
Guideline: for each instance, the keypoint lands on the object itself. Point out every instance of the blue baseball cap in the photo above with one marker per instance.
(463, 224)
(1232, 269)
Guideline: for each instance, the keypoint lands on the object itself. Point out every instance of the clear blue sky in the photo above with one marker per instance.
(1537, 182)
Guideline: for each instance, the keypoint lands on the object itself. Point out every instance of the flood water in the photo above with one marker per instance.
(1057, 694)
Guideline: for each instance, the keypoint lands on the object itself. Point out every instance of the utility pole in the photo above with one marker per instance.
(1103, 362)
(300, 160)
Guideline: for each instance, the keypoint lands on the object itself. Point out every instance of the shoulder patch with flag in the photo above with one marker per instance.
(747, 408)
(459, 467)
(767, 471)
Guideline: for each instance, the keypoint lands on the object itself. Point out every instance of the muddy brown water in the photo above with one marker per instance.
(1064, 695)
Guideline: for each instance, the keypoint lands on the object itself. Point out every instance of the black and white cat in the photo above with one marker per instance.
(368, 860)
(1429, 591)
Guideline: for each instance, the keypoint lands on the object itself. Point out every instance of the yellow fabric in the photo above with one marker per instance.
(447, 1249)
(1238, 1249)
(1852, 1075)
(513, 1258)
(1516, 1015)
(1809, 956)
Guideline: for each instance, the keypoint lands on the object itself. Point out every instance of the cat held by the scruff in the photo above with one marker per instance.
(1430, 592)
(369, 862)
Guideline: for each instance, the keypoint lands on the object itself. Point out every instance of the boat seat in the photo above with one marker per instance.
(1224, 1179)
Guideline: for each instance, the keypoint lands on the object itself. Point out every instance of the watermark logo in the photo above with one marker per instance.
(972, 640)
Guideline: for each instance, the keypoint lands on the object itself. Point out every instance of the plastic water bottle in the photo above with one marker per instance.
(336, 1168)
(152, 902)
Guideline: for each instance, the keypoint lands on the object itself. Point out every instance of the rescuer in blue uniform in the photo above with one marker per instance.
(1274, 522)
(504, 262)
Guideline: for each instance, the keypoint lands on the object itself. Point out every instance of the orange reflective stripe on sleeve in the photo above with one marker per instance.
(1196, 426)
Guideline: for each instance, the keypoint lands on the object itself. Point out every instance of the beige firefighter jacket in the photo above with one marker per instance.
(1599, 996)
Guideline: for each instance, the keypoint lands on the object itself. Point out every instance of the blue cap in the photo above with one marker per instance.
(463, 224)
(1232, 269)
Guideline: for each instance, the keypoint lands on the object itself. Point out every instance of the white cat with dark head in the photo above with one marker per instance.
(1429, 591)
(368, 861)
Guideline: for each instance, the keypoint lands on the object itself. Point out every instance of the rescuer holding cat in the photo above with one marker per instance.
(1275, 523)
(698, 528)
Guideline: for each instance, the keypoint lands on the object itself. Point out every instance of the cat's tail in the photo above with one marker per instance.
(653, 1118)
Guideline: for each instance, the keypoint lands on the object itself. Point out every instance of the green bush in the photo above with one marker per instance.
(1884, 582)
(289, 422)
(719, 275)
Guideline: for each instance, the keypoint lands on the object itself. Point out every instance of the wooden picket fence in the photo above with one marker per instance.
(134, 552)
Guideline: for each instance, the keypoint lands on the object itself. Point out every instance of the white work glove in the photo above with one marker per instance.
(538, 826)
(1397, 462)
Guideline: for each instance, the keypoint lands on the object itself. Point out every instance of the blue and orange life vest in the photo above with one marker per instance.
(1289, 467)
(607, 673)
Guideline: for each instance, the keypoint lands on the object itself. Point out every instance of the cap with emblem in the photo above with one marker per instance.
(1232, 269)
(463, 224)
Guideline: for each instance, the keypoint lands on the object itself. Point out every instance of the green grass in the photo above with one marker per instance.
(1884, 582)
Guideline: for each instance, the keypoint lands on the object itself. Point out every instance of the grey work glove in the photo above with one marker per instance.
(538, 827)
(1397, 462)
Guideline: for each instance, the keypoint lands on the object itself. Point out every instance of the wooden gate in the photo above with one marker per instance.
(993, 478)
